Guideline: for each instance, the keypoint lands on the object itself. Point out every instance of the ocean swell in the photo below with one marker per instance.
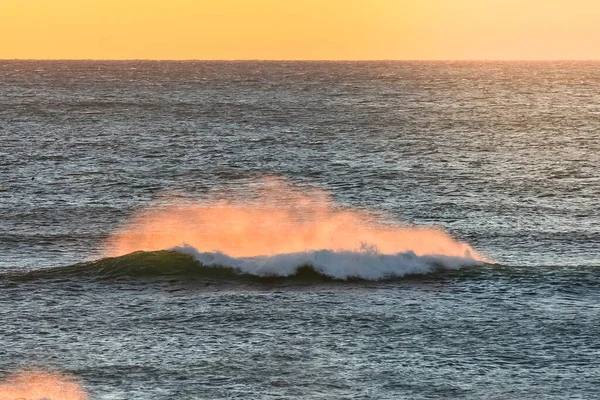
(184, 262)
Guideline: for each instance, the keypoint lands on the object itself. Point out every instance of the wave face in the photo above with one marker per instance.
(187, 262)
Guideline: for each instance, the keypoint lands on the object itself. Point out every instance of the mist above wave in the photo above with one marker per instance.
(274, 218)
(46, 385)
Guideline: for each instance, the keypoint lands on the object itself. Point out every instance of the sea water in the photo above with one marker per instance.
(317, 230)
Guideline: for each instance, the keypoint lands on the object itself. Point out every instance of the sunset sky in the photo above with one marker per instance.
(300, 29)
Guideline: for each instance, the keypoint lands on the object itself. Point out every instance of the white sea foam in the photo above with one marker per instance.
(366, 264)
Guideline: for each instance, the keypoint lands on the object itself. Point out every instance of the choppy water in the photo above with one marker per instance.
(503, 156)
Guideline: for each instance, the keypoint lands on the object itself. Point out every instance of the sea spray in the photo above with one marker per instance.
(277, 218)
(36, 384)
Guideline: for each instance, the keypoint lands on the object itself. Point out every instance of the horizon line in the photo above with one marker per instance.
(309, 59)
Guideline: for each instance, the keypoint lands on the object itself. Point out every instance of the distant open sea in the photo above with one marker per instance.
(471, 191)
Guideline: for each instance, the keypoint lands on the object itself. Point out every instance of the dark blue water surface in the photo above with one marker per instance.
(503, 156)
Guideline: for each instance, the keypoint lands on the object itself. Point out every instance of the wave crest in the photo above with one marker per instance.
(339, 265)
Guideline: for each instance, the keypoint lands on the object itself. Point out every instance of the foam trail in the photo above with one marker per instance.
(276, 218)
(35, 385)
(367, 264)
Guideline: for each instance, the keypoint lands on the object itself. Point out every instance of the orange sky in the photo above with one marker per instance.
(300, 29)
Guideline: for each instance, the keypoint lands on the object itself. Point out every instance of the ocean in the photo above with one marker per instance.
(308, 230)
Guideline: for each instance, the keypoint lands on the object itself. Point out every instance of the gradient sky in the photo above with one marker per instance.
(300, 29)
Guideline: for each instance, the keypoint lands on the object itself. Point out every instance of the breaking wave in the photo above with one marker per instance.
(339, 265)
